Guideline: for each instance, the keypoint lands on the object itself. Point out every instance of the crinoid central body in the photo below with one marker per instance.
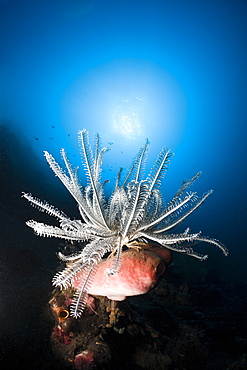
(133, 214)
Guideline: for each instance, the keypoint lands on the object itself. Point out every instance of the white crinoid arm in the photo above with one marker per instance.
(181, 242)
(137, 167)
(79, 299)
(63, 278)
(159, 169)
(175, 242)
(135, 207)
(43, 206)
(171, 209)
(186, 184)
(178, 211)
(72, 184)
(91, 164)
(42, 229)
(141, 192)
(117, 203)
(82, 267)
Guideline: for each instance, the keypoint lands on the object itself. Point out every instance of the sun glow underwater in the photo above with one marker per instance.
(127, 98)
(128, 117)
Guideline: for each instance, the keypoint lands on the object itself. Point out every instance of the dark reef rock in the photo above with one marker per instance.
(160, 330)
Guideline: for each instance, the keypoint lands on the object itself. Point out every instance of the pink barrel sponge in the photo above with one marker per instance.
(139, 271)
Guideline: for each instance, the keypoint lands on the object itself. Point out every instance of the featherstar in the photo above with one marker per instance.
(134, 213)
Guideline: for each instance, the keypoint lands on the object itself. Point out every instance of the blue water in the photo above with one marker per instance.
(170, 71)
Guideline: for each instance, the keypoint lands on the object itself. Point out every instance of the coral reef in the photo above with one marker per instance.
(143, 331)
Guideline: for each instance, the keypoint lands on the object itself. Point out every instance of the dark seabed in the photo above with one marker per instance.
(194, 319)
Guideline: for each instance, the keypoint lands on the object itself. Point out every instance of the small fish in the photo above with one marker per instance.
(105, 182)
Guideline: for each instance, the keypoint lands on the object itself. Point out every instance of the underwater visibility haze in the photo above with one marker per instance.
(166, 73)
